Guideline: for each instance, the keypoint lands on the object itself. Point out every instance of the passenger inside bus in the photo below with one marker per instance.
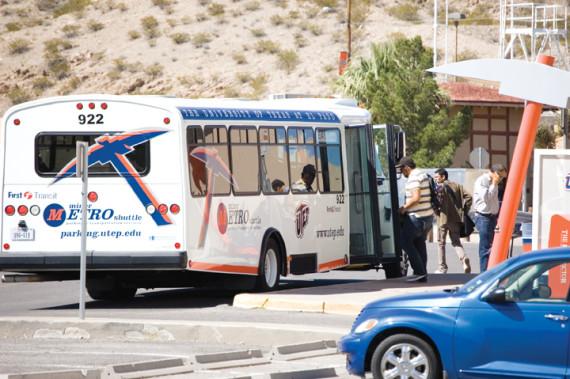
(307, 178)
(279, 186)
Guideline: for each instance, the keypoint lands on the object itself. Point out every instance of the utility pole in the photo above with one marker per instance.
(348, 28)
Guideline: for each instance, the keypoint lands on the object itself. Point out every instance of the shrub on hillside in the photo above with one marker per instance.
(163, 4)
(41, 84)
(326, 3)
(252, 6)
(239, 58)
(13, 26)
(95, 26)
(133, 34)
(71, 30)
(154, 70)
(150, 27)
(300, 40)
(180, 38)
(19, 46)
(276, 20)
(71, 6)
(216, 9)
(258, 33)
(287, 60)
(405, 12)
(18, 95)
(267, 46)
(201, 39)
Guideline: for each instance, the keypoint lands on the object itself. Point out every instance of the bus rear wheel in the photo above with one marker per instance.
(397, 269)
(98, 290)
(269, 267)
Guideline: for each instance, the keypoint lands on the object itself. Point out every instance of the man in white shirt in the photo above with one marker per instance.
(417, 217)
(486, 207)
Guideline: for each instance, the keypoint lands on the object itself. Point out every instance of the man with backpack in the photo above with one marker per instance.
(417, 217)
(454, 202)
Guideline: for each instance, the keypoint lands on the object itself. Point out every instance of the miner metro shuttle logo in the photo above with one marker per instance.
(113, 150)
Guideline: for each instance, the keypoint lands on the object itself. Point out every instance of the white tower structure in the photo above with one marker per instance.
(528, 29)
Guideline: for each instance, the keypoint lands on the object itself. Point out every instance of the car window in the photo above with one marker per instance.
(483, 278)
(539, 282)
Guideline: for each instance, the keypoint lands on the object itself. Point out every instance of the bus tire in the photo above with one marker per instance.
(397, 269)
(269, 267)
(117, 292)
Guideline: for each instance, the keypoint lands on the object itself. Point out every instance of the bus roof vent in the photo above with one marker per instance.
(277, 96)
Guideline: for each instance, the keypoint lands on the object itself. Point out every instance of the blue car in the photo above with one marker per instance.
(508, 322)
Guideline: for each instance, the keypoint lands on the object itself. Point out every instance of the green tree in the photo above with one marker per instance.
(394, 86)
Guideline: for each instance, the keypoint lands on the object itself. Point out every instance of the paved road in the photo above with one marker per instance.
(59, 299)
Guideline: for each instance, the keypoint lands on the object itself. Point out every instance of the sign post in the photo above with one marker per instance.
(82, 172)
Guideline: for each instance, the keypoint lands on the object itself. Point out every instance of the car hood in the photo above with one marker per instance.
(442, 299)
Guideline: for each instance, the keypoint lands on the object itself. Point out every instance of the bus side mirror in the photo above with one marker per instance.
(400, 145)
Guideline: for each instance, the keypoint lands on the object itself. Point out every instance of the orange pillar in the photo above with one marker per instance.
(516, 178)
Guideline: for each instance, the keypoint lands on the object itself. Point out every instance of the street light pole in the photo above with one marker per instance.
(456, 23)
(348, 28)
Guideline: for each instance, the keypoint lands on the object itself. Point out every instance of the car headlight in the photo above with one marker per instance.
(366, 325)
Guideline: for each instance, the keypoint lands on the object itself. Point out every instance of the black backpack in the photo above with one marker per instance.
(434, 200)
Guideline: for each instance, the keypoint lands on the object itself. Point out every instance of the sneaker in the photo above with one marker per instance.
(466, 265)
(440, 271)
(417, 278)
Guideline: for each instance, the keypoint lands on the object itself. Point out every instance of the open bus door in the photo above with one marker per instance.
(373, 196)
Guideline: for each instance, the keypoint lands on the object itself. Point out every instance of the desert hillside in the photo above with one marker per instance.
(207, 48)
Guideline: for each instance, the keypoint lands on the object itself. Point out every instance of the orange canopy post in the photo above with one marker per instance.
(517, 175)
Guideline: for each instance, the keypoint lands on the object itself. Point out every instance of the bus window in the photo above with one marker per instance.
(207, 151)
(273, 154)
(301, 157)
(245, 160)
(55, 150)
(329, 160)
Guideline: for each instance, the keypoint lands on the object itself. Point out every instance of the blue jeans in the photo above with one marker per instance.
(413, 240)
(485, 225)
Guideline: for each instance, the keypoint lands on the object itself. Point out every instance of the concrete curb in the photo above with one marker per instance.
(148, 369)
(230, 359)
(303, 350)
(68, 374)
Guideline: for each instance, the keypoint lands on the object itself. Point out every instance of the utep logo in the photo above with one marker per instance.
(113, 150)
(54, 215)
(301, 218)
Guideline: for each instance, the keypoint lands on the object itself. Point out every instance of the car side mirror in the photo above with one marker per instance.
(498, 295)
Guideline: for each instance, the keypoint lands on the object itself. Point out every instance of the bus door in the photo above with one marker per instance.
(365, 241)
(389, 145)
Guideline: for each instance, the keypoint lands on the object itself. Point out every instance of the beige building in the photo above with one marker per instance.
(495, 124)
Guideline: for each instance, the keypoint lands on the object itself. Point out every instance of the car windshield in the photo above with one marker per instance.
(482, 278)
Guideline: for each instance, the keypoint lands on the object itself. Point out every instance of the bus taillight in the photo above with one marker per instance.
(162, 209)
(79, 106)
(34, 210)
(6, 246)
(150, 209)
(174, 209)
(10, 210)
(104, 106)
(22, 210)
(177, 245)
(92, 196)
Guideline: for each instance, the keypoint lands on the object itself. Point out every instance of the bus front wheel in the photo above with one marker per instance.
(269, 264)
(397, 269)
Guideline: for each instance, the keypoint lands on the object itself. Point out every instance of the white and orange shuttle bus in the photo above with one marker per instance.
(182, 188)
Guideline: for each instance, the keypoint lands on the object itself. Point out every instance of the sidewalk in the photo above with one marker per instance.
(344, 299)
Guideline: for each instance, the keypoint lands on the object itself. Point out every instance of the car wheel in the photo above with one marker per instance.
(405, 356)
(269, 264)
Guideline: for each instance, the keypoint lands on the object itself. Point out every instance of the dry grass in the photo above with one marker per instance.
(288, 60)
(267, 46)
(19, 46)
(71, 30)
(18, 95)
(95, 26)
(239, 58)
(150, 27)
(180, 38)
(13, 26)
(201, 39)
(71, 6)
